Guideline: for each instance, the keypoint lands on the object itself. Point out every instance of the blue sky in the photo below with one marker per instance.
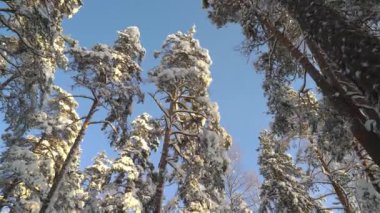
(235, 87)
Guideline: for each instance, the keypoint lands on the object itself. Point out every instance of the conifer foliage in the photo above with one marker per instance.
(281, 190)
(321, 151)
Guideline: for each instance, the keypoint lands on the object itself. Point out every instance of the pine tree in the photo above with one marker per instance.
(325, 137)
(356, 60)
(353, 107)
(281, 30)
(194, 143)
(30, 54)
(281, 190)
(112, 76)
(96, 177)
(29, 165)
(125, 183)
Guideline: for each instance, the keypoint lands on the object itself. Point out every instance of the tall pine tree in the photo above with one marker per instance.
(194, 143)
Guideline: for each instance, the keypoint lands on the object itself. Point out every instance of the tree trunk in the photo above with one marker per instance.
(369, 140)
(49, 201)
(330, 70)
(339, 191)
(355, 51)
(368, 164)
(163, 161)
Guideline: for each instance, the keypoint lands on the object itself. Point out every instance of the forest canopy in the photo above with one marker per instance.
(320, 66)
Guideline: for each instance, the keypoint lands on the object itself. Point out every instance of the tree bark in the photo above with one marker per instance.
(329, 69)
(367, 164)
(368, 140)
(48, 202)
(164, 161)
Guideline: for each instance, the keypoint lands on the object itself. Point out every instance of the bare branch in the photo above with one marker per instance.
(325, 195)
(106, 123)
(7, 10)
(9, 80)
(190, 112)
(159, 105)
(185, 133)
(181, 172)
(178, 151)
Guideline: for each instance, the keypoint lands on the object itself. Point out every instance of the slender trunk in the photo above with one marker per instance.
(353, 49)
(369, 140)
(339, 191)
(163, 162)
(49, 201)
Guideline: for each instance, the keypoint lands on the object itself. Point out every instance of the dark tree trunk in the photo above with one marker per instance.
(161, 174)
(163, 162)
(354, 50)
(368, 167)
(59, 175)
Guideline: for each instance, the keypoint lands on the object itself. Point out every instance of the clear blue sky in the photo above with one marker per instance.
(235, 87)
